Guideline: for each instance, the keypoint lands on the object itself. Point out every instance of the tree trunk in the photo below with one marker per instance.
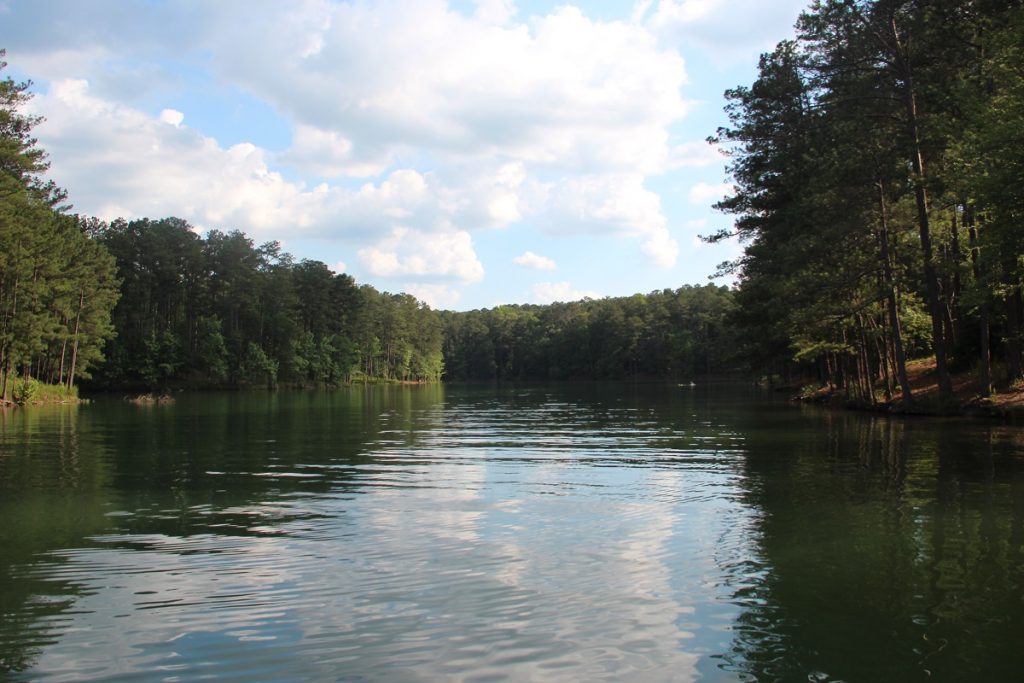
(882, 349)
(1013, 334)
(892, 299)
(921, 199)
(60, 373)
(955, 285)
(7, 370)
(74, 345)
(985, 355)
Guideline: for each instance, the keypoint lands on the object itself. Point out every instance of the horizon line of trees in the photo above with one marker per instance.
(221, 311)
(667, 334)
(878, 165)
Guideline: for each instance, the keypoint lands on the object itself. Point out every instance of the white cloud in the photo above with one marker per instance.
(436, 296)
(695, 155)
(172, 117)
(411, 252)
(615, 204)
(494, 11)
(457, 122)
(561, 90)
(661, 248)
(327, 153)
(119, 162)
(704, 194)
(550, 292)
(530, 260)
(731, 29)
(340, 267)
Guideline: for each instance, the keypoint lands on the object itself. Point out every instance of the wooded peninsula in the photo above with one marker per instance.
(878, 170)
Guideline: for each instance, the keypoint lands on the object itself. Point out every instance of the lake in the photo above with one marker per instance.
(533, 533)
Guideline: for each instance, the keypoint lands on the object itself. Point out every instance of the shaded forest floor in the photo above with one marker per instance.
(1005, 402)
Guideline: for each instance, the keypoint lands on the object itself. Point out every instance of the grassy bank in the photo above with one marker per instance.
(28, 391)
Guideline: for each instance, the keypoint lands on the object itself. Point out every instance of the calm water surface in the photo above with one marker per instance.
(541, 533)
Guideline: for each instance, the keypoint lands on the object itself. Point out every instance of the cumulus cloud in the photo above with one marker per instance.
(412, 252)
(615, 204)
(452, 121)
(561, 91)
(120, 162)
(436, 296)
(530, 260)
(494, 11)
(704, 194)
(550, 292)
(728, 29)
(327, 153)
(172, 116)
(117, 161)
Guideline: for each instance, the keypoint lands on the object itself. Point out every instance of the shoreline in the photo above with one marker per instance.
(1006, 403)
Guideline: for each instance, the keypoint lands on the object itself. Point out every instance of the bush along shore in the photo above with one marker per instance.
(29, 391)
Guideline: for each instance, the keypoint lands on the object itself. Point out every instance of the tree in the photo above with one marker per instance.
(56, 285)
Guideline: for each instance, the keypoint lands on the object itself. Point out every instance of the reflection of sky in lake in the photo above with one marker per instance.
(514, 545)
(523, 537)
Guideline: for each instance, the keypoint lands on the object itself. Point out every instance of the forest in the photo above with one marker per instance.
(221, 311)
(878, 166)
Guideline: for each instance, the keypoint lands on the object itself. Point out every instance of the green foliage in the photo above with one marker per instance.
(162, 359)
(25, 390)
(211, 353)
(30, 390)
(666, 334)
(257, 367)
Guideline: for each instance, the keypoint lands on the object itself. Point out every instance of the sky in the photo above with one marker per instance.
(471, 153)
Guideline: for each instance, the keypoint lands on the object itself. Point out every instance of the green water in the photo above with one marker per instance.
(540, 533)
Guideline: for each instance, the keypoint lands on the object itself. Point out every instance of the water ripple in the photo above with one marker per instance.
(523, 536)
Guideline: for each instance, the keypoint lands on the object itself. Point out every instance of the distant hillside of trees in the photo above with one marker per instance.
(671, 334)
(221, 311)
(878, 161)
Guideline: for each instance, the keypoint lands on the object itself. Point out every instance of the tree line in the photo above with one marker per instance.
(668, 334)
(878, 165)
(222, 311)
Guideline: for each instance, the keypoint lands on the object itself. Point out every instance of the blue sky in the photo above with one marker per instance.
(472, 153)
